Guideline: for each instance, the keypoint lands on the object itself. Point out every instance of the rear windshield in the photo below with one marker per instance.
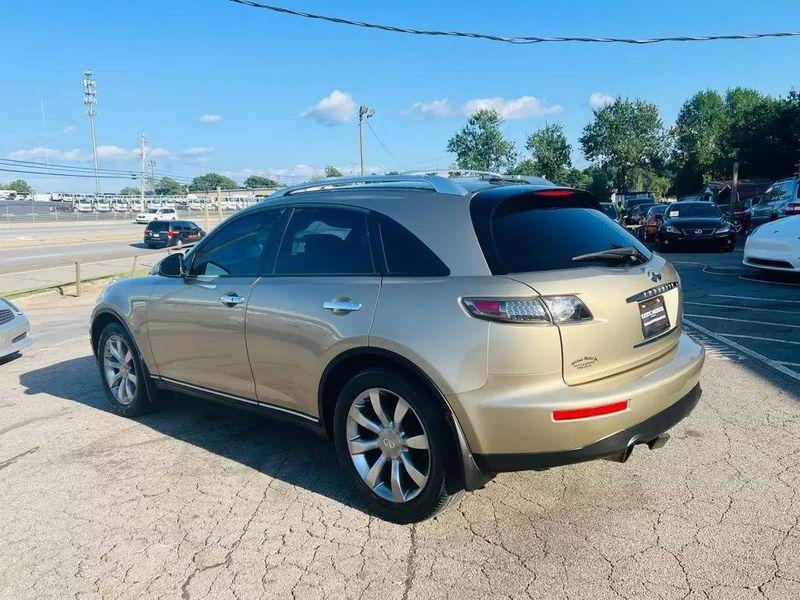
(700, 209)
(158, 226)
(546, 239)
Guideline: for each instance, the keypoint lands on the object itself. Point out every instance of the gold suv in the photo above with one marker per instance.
(440, 330)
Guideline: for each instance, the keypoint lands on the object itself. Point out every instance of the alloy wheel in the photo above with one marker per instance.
(119, 368)
(388, 445)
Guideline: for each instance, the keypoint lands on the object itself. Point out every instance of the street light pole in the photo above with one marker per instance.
(364, 113)
(142, 141)
(90, 101)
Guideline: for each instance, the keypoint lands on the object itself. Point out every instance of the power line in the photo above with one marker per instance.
(517, 39)
(54, 168)
(81, 175)
(389, 152)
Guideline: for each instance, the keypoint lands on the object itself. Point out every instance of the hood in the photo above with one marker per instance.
(788, 227)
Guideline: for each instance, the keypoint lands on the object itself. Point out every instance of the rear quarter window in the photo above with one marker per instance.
(405, 255)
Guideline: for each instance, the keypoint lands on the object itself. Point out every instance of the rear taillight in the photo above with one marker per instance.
(170, 233)
(793, 208)
(544, 310)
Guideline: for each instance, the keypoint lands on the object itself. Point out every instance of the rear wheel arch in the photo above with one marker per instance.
(347, 364)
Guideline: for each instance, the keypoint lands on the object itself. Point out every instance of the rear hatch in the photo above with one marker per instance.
(633, 296)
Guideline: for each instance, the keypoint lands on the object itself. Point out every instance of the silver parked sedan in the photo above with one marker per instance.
(14, 329)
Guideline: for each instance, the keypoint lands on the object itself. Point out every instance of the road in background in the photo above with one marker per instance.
(15, 260)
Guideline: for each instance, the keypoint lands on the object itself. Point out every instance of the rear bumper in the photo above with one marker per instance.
(613, 445)
(513, 414)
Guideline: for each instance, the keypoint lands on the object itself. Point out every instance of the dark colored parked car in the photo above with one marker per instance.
(695, 224)
(609, 210)
(160, 234)
(782, 199)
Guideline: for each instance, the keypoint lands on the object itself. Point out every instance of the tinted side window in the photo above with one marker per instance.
(325, 241)
(405, 254)
(242, 248)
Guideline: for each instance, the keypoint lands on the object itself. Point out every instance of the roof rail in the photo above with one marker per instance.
(441, 185)
(453, 171)
(491, 176)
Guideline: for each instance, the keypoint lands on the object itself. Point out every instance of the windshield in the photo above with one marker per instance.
(151, 210)
(697, 210)
(657, 210)
(545, 239)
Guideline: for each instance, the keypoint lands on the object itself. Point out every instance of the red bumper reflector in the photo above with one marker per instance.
(583, 413)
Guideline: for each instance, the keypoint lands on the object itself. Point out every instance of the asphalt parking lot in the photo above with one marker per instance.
(201, 501)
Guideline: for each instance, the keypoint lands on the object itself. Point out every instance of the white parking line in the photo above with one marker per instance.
(754, 298)
(763, 339)
(743, 321)
(744, 350)
(34, 256)
(775, 310)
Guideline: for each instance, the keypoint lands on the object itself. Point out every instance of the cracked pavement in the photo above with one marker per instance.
(203, 501)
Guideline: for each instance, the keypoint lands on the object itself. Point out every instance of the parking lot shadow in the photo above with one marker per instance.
(285, 451)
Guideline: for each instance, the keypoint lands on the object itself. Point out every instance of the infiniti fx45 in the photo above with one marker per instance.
(440, 330)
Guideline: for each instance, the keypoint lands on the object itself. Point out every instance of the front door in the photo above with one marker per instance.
(320, 302)
(196, 324)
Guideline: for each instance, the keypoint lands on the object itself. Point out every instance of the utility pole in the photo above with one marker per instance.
(364, 113)
(90, 101)
(142, 141)
(152, 164)
(734, 191)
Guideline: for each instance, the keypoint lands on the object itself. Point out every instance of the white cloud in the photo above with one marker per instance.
(196, 151)
(67, 129)
(113, 153)
(208, 118)
(524, 107)
(337, 107)
(433, 109)
(42, 153)
(599, 100)
(157, 152)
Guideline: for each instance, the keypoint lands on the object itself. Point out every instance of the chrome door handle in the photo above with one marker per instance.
(341, 306)
(231, 299)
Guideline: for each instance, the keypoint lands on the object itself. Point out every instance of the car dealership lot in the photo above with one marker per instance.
(202, 501)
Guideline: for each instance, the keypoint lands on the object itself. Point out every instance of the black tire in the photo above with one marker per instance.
(141, 399)
(434, 496)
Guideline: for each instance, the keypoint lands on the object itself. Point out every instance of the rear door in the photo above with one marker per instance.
(634, 303)
(319, 302)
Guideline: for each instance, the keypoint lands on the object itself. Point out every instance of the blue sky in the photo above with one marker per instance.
(284, 88)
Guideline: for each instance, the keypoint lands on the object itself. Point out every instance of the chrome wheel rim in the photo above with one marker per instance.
(120, 369)
(388, 445)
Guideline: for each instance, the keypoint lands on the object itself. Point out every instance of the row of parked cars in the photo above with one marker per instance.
(770, 221)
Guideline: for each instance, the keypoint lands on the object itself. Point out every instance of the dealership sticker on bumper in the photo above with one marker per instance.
(654, 316)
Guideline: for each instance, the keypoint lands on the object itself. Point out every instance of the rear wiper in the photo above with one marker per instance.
(628, 253)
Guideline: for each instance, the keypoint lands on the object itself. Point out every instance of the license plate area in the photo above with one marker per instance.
(654, 316)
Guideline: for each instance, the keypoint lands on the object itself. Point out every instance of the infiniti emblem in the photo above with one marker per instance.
(698, 231)
(388, 443)
(654, 276)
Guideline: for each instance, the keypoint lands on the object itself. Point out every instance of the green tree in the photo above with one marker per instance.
(167, 186)
(480, 145)
(259, 181)
(698, 141)
(331, 171)
(211, 181)
(20, 186)
(623, 136)
(129, 190)
(550, 152)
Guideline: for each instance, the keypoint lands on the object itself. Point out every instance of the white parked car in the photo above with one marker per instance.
(84, 206)
(14, 329)
(774, 246)
(156, 214)
(102, 206)
(196, 205)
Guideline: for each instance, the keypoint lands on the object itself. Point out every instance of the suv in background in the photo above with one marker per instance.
(440, 330)
(161, 234)
(156, 214)
(782, 199)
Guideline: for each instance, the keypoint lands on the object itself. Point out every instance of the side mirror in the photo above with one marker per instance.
(172, 266)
